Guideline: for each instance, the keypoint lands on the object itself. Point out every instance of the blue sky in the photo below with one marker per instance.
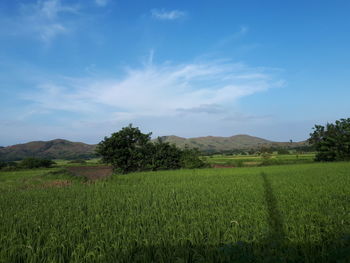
(80, 70)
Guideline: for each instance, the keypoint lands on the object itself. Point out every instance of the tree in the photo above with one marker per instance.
(127, 150)
(165, 156)
(130, 150)
(332, 142)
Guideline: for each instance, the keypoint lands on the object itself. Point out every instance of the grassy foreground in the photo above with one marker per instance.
(289, 213)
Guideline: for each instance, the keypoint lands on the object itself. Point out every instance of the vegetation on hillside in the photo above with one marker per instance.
(232, 144)
(63, 149)
(55, 149)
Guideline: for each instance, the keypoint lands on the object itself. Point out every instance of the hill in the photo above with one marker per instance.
(55, 149)
(63, 149)
(241, 142)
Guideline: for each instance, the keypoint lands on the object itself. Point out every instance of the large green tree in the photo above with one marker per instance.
(130, 150)
(127, 150)
(332, 142)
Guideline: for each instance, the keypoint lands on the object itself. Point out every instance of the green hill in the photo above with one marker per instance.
(211, 143)
(55, 149)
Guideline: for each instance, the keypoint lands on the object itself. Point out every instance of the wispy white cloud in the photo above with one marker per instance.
(162, 14)
(44, 19)
(240, 33)
(52, 8)
(101, 2)
(157, 90)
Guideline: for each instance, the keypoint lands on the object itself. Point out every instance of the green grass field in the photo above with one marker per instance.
(287, 213)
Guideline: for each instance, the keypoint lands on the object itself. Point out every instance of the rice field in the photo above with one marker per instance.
(258, 160)
(287, 213)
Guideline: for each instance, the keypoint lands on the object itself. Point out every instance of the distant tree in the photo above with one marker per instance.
(332, 142)
(265, 149)
(251, 152)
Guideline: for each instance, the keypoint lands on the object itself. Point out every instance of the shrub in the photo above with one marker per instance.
(2, 164)
(32, 162)
(165, 156)
(190, 159)
(282, 151)
(79, 161)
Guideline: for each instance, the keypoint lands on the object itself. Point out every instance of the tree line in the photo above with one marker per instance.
(27, 163)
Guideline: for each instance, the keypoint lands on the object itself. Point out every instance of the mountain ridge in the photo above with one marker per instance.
(65, 149)
(234, 142)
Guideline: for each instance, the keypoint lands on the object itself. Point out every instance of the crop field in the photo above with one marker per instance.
(286, 213)
(258, 160)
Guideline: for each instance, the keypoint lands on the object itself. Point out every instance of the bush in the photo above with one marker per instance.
(236, 163)
(2, 164)
(165, 156)
(79, 161)
(282, 151)
(190, 159)
(32, 162)
(8, 166)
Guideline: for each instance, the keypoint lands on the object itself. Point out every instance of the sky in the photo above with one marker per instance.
(83, 69)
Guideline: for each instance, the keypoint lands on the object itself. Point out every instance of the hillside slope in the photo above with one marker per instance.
(55, 149)
(211, 143)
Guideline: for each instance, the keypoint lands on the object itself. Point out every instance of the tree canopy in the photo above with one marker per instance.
(332, 142)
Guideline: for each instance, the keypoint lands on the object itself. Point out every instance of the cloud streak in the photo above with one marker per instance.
(101, 3)
(156, 90)
(161, 14)
(43, 19)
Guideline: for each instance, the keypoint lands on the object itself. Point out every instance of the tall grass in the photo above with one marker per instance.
(290, 213)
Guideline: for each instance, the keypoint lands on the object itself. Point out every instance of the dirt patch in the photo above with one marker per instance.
(91, 172)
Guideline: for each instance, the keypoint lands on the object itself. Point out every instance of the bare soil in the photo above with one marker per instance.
(91, 172)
